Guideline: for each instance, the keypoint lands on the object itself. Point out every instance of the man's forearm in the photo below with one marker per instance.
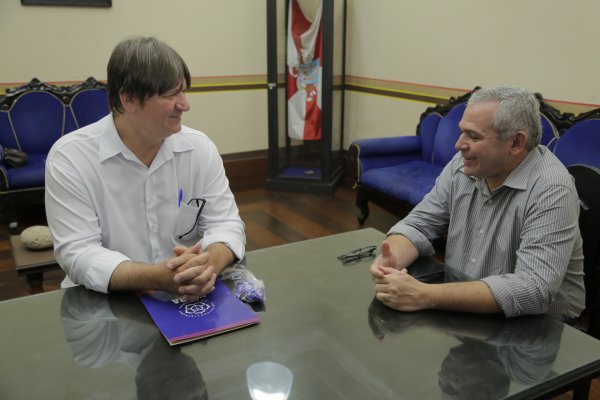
(131, 275)
(404, 250)
(474, 296)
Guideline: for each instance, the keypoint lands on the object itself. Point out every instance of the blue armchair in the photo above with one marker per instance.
(580, 143)
(397, 172)
(32, 135)
(32, 118)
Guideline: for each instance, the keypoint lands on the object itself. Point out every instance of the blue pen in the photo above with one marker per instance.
(180, 198)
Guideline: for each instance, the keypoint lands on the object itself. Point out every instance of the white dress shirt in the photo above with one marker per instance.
(104, 206)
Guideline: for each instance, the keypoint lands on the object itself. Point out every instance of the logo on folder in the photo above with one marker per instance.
(198, 308)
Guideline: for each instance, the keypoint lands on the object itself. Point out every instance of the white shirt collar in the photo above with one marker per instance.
(112, 145)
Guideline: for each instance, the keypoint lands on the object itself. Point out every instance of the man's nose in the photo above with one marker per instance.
(182, 102)
(460, 144)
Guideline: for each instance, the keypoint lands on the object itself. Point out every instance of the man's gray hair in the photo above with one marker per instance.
(518, 110)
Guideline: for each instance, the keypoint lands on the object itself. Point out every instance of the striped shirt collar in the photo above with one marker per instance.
(518, 178)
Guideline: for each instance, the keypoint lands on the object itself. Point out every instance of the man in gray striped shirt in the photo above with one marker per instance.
(510, 211)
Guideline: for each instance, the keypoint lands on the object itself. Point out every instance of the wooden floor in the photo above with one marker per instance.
(271, 218)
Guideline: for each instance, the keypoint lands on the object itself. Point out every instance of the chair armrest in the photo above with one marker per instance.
(382, 152)
(397, 145)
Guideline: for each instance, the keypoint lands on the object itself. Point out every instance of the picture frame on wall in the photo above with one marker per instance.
(77, 3)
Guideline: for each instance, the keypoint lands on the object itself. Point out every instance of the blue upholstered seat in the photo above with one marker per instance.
(32, 118)
(580, 144)
(405, 168)
(33, 135)
(409, 181)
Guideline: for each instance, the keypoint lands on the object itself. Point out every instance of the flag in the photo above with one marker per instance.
(304, 70)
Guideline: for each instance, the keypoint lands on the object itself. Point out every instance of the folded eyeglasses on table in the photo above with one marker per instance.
(358, 255)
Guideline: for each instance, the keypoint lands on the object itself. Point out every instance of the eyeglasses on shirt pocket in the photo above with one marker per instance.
(187, 218)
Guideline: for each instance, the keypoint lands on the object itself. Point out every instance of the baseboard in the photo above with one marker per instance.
(246, 170)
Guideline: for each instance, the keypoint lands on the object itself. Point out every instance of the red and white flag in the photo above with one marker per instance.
(304, 69)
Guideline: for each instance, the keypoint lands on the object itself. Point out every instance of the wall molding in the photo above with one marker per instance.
(436, 94)
(405, 91)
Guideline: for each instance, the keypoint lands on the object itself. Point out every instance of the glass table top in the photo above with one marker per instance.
(320, 320)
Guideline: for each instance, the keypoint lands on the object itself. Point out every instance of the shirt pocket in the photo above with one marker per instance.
(188, 217)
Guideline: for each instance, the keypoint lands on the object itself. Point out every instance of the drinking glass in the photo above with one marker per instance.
(269, 380)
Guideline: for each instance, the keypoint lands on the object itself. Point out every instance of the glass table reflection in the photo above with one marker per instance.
(101, 331)
(320, 321)
(490, 351)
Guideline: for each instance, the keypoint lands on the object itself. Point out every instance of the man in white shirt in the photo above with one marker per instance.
(136, 200)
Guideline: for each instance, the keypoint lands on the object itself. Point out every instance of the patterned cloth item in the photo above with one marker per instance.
(247, 287)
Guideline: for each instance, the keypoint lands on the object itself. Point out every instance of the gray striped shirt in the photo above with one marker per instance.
(522, 239)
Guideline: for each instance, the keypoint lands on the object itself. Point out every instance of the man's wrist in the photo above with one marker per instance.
(221, 256)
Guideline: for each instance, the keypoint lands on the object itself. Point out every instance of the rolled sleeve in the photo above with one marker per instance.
(418, 239)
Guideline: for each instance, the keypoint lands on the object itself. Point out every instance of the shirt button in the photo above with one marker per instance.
(481, 231)
(472, 260)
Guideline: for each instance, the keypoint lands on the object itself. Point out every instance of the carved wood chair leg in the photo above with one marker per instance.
(363, 205)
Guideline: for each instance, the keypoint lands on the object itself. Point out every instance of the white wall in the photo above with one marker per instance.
(544, 45)
(68, 43)
(216, 38)
(547, 46)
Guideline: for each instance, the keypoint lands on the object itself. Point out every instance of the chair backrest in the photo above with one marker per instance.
(587, 181)
(7, 138)
(88, 106)
(36, 120)
(549, 133)
(554, 122)
(447, 134)
(427, 130)
(580, 144)
(35, 115)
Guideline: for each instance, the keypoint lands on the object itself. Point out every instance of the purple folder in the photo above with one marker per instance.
(180, 322)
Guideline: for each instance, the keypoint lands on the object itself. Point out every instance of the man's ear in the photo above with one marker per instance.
(128, 101)
(519, 142)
